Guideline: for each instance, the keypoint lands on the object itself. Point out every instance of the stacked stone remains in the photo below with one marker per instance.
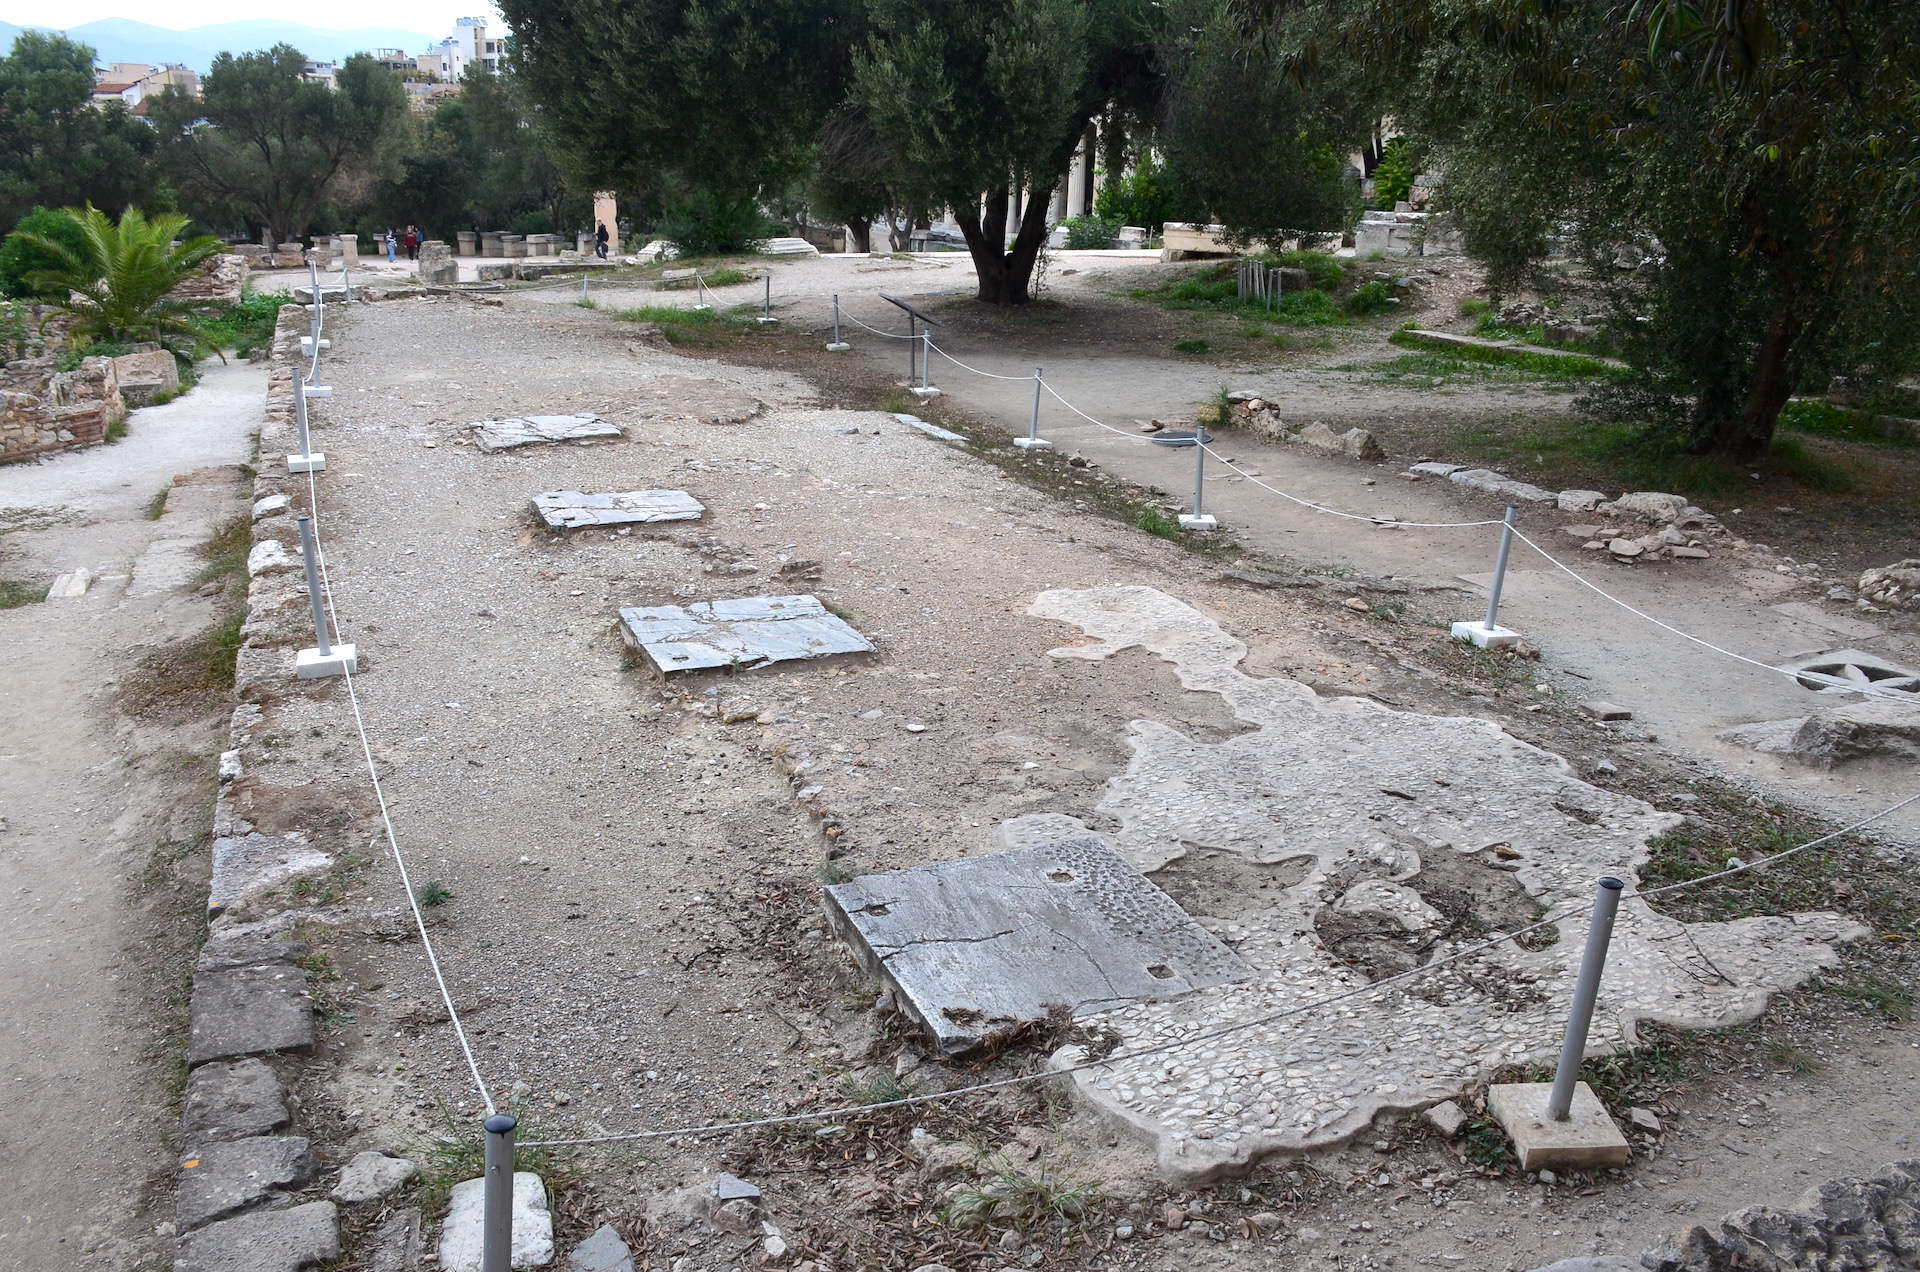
(437, 264)
(43, 410)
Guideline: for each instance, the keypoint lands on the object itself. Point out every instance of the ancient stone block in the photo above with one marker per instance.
(268, 1241)
(738, 635)
(498, 435)
(974, 947)
(571, 509)
(248, 1011)
(219, 1180)
(231, 1101)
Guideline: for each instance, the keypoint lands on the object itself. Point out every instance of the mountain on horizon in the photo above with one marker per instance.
(124, 40)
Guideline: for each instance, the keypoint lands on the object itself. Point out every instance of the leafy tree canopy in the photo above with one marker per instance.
(56, 148)
(1760, 154)
(268, 145)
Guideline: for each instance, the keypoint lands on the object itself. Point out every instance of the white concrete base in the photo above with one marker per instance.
(1033, 443)
(1205, 521)
(1586, 1140)
(928, 392)
(313, 463)
(765, 321)
(306, 345)
(699, 308)
(838, 346)
(311, 664)
(1485, 637)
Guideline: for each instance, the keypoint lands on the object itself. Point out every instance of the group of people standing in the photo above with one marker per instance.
(408, 238)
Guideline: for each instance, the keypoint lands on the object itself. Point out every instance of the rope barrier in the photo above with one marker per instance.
(1217, 1032)
(1207, 1035)
(380, 798)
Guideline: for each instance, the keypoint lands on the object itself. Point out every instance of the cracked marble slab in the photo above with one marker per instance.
(738, 634)
(970, 948)
(571, 509)
(1363, 818)
(528, 430)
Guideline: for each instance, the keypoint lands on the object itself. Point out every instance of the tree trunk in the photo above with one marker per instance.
(1004, 273)
(861, 230)
(1748, 436)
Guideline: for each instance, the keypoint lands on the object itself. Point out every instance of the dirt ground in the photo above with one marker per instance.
(632, 928)
(112, 727)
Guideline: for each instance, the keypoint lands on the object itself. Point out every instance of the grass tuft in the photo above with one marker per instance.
(1014, 1198)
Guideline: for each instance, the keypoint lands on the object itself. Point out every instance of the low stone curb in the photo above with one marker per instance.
(251, 1004)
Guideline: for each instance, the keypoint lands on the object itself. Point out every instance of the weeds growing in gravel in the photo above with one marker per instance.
(1013, 1198)
(157, 506)
(1485, 1145)
(1157, 523)
(432, 894)
(17, 592)
(877, 1087)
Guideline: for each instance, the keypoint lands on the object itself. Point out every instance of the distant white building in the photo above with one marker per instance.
(467, 47)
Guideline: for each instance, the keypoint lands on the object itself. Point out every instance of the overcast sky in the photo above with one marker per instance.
(429, 17)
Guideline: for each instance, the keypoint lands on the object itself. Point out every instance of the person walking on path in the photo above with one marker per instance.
(600, 241)
(412, 241)
(393, 246)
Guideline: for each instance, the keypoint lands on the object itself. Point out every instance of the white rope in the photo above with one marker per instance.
(1350, 516)
(976, 370)
(891, 335)
(1745, 866)
(379, 795)
(1222, 1031)
(1869, 691)
(1215, 1033)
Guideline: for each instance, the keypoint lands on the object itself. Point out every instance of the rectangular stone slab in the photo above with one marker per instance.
(570, 509)
(739, 634)
(975, 946)
(528, 430)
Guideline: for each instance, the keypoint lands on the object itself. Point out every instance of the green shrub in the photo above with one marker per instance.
(21, 259)
(1310, 308)
(1372, 298)
(242, 326)
(1324, 271)
(1393, 179)
(1090, 233)
(1144, 196)
(707, 225)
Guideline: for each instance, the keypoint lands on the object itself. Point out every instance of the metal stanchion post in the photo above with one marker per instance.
(1489, 634)
(346, 277)
(1606, 903)
(312, 562)
(701, 283)
(325, 658)
(926, 389)
(913, 350)
(1033, 440)
(583, 289)
(838, 345)
(766, 304)
(496, 1223)
(1198, 519)
(1500, 568)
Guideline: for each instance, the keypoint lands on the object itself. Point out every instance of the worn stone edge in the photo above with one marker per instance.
(270, 632)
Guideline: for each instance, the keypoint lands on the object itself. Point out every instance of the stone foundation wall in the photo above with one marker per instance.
(43, 410)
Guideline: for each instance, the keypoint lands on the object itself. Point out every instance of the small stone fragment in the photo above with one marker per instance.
(1446, 1117)
(369, 1176)
(1356, 604)
(1625, 548)
(1606, 710)
(1645, 1119)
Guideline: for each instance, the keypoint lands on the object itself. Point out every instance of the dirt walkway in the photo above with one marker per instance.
(103, 831)
(1592, 649)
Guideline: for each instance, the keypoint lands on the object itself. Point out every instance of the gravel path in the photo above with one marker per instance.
(103, 805)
